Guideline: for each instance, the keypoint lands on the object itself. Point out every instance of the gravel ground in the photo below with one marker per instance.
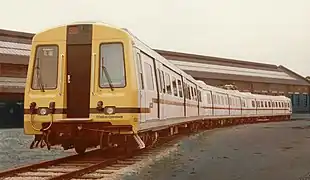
(14, 150)
(269, 151)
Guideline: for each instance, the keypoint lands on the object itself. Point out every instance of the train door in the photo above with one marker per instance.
(141, 85)
(161, 90)
(151, 97)
(78, 80)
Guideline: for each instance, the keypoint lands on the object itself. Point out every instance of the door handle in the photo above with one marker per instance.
(69, 78)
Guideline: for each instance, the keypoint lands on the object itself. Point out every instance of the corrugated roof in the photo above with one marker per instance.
(13, 48)
(206, 67)
(18, 34)
(10, 82)
(231, 70)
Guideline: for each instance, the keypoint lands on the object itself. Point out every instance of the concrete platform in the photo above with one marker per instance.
(300, 116)
(269, 151)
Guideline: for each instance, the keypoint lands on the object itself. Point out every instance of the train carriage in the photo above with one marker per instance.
(91, 84)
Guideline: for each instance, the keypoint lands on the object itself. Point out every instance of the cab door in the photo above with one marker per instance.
(141, 86)
(151, 96)
(161, 90)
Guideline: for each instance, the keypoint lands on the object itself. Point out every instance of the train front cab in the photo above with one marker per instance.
(81, 82)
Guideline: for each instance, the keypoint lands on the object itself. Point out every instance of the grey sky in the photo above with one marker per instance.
(267, 31)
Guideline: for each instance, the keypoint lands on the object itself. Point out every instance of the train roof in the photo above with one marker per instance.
(157, 56)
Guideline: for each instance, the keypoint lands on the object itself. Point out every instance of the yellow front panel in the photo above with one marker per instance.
(42, 99)
(125, 98)
(121, 97)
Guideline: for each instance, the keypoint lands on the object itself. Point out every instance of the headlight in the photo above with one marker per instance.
(43, 111)
(110, 110)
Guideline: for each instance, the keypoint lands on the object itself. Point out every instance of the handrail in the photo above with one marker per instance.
(93, 64)
(61, 74)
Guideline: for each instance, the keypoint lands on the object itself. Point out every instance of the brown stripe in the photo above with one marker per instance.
(57, 111)
(94, 110)
(123, 110)
(208, 107)
(168, 102)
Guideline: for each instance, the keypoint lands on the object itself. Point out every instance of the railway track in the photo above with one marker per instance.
(71, 167)
(96, 164)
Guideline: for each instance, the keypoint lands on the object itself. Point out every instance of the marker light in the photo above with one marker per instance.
(52, 107)
(109, 110)
(99, 105)
(43, 111)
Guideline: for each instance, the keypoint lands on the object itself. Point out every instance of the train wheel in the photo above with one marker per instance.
(79, 148)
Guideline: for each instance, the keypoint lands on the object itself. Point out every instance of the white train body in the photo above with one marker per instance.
(181, 98)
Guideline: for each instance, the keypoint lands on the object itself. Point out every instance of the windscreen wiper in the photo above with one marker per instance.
(107, 76)
(39, 79)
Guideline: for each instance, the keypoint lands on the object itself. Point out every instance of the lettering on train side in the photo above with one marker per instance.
(108, 117)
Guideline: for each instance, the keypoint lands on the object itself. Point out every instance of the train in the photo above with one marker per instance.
(92, 84)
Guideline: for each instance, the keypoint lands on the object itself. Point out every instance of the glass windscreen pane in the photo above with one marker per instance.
(112, 66)
(45, 68)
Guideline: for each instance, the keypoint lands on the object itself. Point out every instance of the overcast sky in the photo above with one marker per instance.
(267, 31)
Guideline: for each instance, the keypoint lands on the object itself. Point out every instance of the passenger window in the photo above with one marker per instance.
(112, 66)
(266, 104)
(140, 72)
(189, 92)
(168, 83)
(163, 81)
(208, 99)
(174, 84)
(149, 76)
(253, 104)
(192, 93)
(199, 96)
(262, 104)
(214, 99)
(185, 90)
(180, 88)
(269, 104)
(159, 81)
(195, 94)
